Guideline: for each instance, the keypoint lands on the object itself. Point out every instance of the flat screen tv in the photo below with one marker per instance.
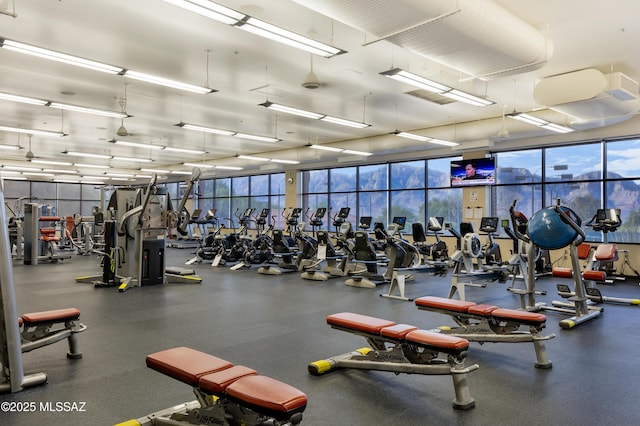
(470, 172)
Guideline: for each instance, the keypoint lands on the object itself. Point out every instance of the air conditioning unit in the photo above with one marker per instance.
(621, 86)
(588, 94)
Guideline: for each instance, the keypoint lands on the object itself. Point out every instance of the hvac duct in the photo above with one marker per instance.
(589, 95)
(477, 37)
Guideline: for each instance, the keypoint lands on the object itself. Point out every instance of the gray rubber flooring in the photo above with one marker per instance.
(276, 325)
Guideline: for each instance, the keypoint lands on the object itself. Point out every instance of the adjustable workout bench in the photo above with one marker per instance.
(487, 323)
(604, 252)
(40, 329)
(410, 351)
(226, 394)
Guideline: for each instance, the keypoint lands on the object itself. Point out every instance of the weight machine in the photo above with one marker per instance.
(42, 233)
(135, 233)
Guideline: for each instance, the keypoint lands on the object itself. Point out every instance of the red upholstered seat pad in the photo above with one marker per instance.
(398, 331)
(359, 322)
(443, 303)
(437, 340)
(519, 316)
(186, 364)
(267, 393)
(51, 316)
(216, 383)
(606, 252)
(482, 309)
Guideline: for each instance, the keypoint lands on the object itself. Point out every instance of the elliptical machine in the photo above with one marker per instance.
(468, 261)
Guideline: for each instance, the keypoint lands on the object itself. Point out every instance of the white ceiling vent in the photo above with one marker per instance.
(478, 37)
(589, 94)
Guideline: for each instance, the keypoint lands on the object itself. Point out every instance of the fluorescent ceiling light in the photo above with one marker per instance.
(199, 165)
(97, 66)
(326, 148)
(412, 79)
(256, 137)
(87, 110)
(13, 177)
(21, 168)
(313, 115)
(66, 180)
(185, 150)
(266, 30)
(60, 105)
(442, 142)
(52, 162)
(292, 111)
(252, 157)
(57, 56)
(342, 150)
(32, 132)
(120, 178)
(413, 136)
(403, 76)
(132, 159)
(22, 99)
(92, 177)
(10, 147)
(344, 122)
(38, 174)
(137, 144)
(92, 166)
(119, 174)
(468, 98)
(229, 168)
(557, 128)
(210, 10)
(93, 182)
(158, 171)
(180, 172)
(245, 22)
(530, 119)
(205, 129)
(86, 154)
(215, 131)
(143, 176)
(276, 160)
(352, 152)
(148, 78)
(421, 138)
(7, 172)
(60, 171)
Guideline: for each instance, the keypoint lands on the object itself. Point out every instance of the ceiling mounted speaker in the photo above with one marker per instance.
(311, 81)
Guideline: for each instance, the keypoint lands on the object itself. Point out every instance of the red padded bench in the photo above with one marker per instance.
(39, 329)
(448, 306)
(398, 333)
(488, 323)
(242, 385)
(401, 348)
(48, 317)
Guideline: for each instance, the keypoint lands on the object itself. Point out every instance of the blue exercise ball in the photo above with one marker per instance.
(548, 230)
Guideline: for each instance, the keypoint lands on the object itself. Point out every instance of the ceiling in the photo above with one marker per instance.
(246, 70)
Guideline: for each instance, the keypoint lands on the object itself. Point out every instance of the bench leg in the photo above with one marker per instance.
(74, 346)
(541, 354)
(463, 399)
